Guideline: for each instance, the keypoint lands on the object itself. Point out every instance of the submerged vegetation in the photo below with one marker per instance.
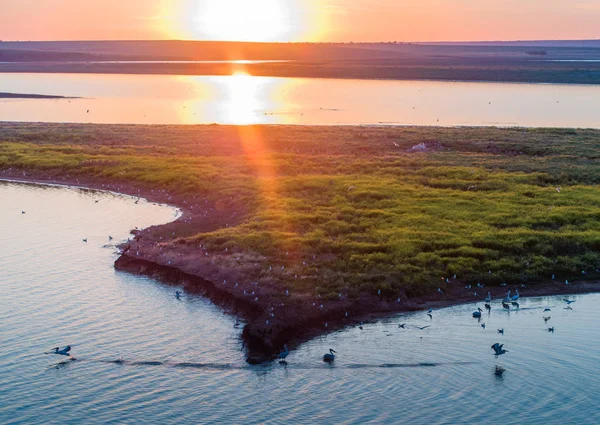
(351, 210)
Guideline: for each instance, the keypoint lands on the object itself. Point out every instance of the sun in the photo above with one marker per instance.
(237, 20)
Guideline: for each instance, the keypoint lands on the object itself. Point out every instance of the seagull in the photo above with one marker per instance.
(85, 240)
(547, 309)
(483, 325)
(61, 351)
(546, 318)
(22, 212)
(424, 327)
(506, 306)
(477, 314)
(499, 370)
(329, 357)
(403, 326)
(430, 316)
(177, 294)
(110, 238)
(501, 331)
(283, 354)
(569, 301)
(498, 350)
(551, 329)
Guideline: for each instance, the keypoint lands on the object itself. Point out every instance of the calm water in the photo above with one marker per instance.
(242, 99)
(183, 360)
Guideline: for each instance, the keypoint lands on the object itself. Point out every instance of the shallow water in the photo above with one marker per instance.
(183, 363)
(243, 99)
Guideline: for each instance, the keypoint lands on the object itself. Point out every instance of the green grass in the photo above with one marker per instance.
(372, 215)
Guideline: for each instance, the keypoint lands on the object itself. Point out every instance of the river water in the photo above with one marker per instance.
(183, 362)
(244, 99)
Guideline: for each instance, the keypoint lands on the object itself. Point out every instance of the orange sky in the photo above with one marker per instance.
(300, 20)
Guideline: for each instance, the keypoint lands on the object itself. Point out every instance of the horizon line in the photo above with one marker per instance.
(301, 42)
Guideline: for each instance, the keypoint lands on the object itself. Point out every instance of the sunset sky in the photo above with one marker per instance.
(299, 20)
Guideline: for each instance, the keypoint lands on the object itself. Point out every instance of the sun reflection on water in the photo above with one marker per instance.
(239, 99)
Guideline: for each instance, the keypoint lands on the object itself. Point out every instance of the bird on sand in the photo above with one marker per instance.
(283, 354)
(498, 350)
(403, 326)
(329, 357)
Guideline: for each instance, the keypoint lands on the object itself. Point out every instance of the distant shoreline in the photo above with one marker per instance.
(472, 70)
(32, 96)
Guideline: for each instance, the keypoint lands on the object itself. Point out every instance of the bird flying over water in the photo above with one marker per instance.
(551, 329)
(546, 318)
(65, 351)
(501, 331)
(498, 350)
(569, 301)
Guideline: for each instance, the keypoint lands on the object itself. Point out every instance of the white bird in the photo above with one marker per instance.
(489, 298)
(498, 350)
(329, 357)
(516, 296)
(477, 314)
(65, 351)
(283, 354)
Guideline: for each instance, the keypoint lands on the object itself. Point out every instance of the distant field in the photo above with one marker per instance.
(378, 209)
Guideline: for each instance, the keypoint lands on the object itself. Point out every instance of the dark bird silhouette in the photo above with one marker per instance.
(498, 350)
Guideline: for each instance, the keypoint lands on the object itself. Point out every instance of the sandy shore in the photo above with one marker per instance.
(271, 317)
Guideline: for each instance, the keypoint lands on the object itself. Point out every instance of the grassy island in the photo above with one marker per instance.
(306, 227)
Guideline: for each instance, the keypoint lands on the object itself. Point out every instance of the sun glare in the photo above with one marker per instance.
(240, 20)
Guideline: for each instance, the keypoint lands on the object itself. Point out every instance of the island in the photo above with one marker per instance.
(300, 231)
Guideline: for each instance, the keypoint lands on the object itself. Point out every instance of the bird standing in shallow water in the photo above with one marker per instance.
(477, 314)
(283, 354)
(329, 357)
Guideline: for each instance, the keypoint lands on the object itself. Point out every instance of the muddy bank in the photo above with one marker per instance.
(274, 318)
